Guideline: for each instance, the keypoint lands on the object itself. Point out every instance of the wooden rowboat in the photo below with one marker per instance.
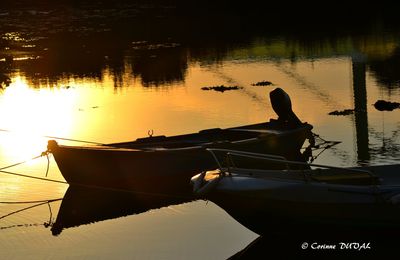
(147, 163)
(152, 160)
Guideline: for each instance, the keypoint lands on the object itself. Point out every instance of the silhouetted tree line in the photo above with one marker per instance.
(387, 71)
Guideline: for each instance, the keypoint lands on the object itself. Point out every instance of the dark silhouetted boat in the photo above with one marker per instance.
(148, 163)
(323, 200)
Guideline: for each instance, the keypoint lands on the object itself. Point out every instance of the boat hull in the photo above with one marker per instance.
(268, 205)
(149, 168)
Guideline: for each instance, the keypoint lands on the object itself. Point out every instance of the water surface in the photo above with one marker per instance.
(81, 76)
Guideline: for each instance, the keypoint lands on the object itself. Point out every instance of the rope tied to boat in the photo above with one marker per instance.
(57, 138)
(317, 143)
(45, 153)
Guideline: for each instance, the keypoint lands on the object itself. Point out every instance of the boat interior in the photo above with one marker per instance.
(241, 133)
(331, 176)
(188, 140)
(294, 170)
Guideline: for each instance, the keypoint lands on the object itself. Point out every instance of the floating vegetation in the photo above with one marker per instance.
(263, 83)
(144, 45)
(383, 105)
(342, 112)
(221, 88)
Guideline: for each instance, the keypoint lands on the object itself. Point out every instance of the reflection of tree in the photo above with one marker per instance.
(387, 71)
(388, 147)
(360, 107)
(63, 56)
(82, 41)
(161, 66)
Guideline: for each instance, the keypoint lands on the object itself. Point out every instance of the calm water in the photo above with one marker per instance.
(110, 75)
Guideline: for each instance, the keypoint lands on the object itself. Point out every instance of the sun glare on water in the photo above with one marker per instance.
(28, 114)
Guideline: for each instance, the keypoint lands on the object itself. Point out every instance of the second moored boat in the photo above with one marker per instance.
(321, 199)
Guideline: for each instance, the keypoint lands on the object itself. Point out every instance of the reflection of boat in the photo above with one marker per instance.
(82, 205)
(346, 199)
(122, 164)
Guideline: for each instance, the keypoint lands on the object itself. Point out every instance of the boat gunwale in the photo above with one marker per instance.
(158, 146)
(246, 128)
(303, 175)
(157, 149)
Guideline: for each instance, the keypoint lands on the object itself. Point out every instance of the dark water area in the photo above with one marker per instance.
(291, 237)
(330, 248)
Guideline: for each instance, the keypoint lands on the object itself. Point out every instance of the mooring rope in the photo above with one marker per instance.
(26, 208)
(28, 202)
(46, 153)
(26, 225)
(58, 138)
(32, 177)
(39, 203)
(48, 162)
(22, 162)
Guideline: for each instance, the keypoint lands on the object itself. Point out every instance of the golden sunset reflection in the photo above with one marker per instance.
(28, 114)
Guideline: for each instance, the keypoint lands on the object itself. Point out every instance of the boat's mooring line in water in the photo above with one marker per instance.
(58, 138)
(30, 207)
(32, 177)
(45, 224)
(19, 163)
(45, 153)
(28, 201)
